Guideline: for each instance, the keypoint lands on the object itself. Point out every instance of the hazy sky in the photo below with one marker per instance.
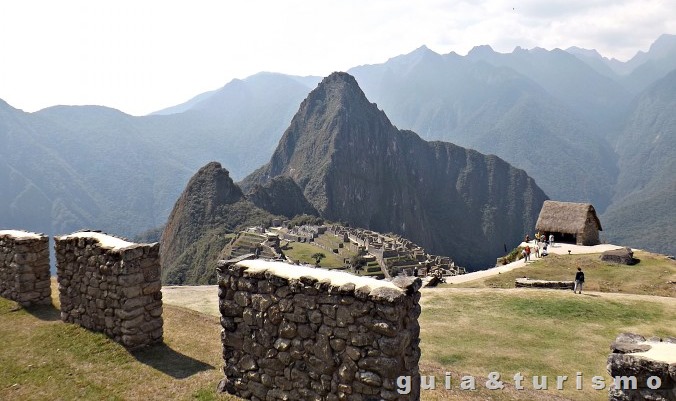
(140, 56)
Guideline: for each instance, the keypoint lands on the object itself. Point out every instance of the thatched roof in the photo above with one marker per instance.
(565, 217)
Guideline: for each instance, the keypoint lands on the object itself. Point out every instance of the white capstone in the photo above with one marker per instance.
(20, 234)
(105, 240)
(659, 351)
(335, 278)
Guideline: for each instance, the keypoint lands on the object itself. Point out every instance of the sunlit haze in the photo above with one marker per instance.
(143, 56)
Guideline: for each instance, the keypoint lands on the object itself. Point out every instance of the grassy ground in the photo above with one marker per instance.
(302, 252)
(653, 275)
(478, 331)
(471, 331)
(45, 359)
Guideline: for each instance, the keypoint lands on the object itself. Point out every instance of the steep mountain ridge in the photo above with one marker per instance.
(210, 207)
(281, 196)
(495, 109)
(642, 211)
(355, 166)
(582, 89)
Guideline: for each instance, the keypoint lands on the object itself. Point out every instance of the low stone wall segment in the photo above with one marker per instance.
(24, 267)
(112, 286)
(651, 363)
(525, 282)
(294, 332)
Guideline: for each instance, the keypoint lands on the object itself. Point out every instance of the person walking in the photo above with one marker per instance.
(579, 280)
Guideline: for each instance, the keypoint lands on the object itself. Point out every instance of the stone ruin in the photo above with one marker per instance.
(525, 282)
(648, 366)
(112, 286)
(295, 332)
(623, 256)
(24, 267)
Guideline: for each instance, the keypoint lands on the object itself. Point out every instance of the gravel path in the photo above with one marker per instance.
(561, 249)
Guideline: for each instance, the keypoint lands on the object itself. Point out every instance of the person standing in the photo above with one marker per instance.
(579, 280)
(551, 239)
(527, 253)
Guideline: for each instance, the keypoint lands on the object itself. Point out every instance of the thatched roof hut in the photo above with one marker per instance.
(570, 222)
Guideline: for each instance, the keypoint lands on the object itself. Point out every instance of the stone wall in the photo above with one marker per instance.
(24, 267)
(294, 332)
(112, 286)
(652, 364)
(525, 282)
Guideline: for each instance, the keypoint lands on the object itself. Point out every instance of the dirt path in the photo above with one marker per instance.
(202, 298)
(602, 295)
(561, 249)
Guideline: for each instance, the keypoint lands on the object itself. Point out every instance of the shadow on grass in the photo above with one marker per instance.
(44, 312)
(161, 357)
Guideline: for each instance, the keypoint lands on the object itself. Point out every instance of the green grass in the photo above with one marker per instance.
(472, 331)
(651, 276)
(302, 252)
(45, 359)
(478, 331)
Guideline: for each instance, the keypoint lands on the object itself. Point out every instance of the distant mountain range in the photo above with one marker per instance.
(585, 127)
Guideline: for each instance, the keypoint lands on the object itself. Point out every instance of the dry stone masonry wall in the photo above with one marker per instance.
(112, 286)
(24, 267)
(295, 332)
(646, 368)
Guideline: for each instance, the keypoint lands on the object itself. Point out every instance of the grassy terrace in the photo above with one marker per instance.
(465, 331)
(652, 276)
(303, 252)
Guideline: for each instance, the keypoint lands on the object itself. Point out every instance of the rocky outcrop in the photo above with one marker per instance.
(24, 267)
(354, 166)
(623, 256)
(112, 286)
(281, 196)
(210, 189)
(294, 332)
(211, 206)
(646, 368)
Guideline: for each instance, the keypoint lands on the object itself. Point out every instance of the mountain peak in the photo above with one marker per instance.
(339, 77)
(335, 93)
(353, 165)
(482, 50)
(208, 193)
(663, 46)
(579, 51)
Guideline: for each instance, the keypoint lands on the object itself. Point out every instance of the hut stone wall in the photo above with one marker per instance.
(293, 332)
(589, 234)
(111, 286)
(24, 267)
